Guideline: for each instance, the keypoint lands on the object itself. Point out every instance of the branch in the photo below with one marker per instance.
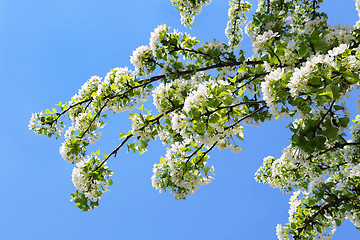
(179, 48)
(249, 115)
(232, 106)
(236, 18)
(145, 82)
(131, 135)
(114, 151)
(319, 211)
(190, 156)
(70, 107)
(93, 120)
(254, 78)
(205, 153)
(323, 117)
(337, 145)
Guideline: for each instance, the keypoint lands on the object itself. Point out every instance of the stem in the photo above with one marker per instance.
(243, 118)
(114, 151)
(232, 106)
(190, 156)
(93, 120)
(333, 148)
(254, 78)
(70, 107)
(323, 117)
(205, 153)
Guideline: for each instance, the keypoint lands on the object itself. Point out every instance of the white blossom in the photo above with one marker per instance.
(154, 37)
(294, 204)
(138, 59)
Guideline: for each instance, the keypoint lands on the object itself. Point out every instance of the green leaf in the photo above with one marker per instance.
(241, 69)
(206, 170)
(113, 86)
(74, 100)
(338, 66)
(245, 109)
(350, 76)
(336, 92)
(303, 50)
(214, 103)
(224, 93)
(123, 135)
(315, 80)
(319, 143)
(331, 132)
(327, 94)
(338, 107)
(98, 152)
(227, 100)
(214, 118)
(344, 121)
(338, 222)
(233, 80)
(110, 182)
(274, 60)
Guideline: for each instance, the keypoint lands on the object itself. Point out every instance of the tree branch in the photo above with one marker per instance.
(319, 211)
(205, 153)
(94, 118)
(247, 116)
(114, 151)
(70, 107)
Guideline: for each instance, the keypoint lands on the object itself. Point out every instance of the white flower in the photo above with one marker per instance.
(196, 96)
(338, 50)
(176, 121)
(64, 151)
(189, 8)
(138, 60)
(85, 184)
(316, 181)
(154, 37)
(358, 105)
(259, 40)
(279, 232)
(236, 149)
(294, 203)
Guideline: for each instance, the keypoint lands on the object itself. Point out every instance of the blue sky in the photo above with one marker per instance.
(48, 49)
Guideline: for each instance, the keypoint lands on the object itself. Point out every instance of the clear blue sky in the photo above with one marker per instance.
(48, 49)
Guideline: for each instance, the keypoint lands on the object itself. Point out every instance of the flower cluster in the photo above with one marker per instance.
(46, 124)
(302, 75)
(266, 87)
(141, 59)
(154, 37)
(237, 18)
(178, 173)
(357, 6)
(260, 40)
(91, 179)
(189, 9)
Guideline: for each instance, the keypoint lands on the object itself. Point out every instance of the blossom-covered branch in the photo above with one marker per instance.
(204, 93)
